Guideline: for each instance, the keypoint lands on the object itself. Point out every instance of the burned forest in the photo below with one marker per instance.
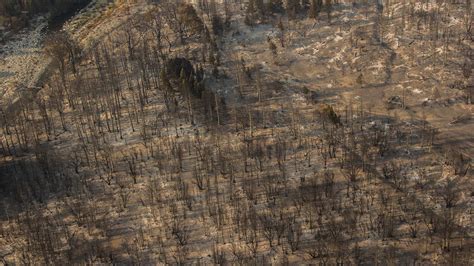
(297, 132)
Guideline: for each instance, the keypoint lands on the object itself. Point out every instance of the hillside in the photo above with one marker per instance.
(303, 132)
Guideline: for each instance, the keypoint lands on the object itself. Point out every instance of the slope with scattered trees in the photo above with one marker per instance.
(232, 133)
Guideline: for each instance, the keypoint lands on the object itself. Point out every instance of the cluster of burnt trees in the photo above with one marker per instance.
(26, 124)
(95, 107)
(109, 149)
(242, 188)
(92, 104)
(259, 11)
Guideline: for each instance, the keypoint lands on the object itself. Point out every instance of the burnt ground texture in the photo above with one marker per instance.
(240, 133)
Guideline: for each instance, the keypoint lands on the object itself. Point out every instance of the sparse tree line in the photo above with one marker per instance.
(134, 127)
(259, 11)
